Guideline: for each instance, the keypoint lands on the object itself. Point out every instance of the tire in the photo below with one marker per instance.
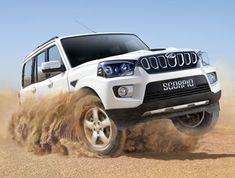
(99, 132)
(196, 124)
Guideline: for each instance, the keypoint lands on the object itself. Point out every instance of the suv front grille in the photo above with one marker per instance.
(154, 90)
(167, 62)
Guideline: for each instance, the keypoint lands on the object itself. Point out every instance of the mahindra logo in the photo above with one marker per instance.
(170, 55)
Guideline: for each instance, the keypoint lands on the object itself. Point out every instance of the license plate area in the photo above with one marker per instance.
(178, 84)
(154, 90)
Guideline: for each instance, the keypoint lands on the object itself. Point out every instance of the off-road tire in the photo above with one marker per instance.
(116, 141)
(201, 127)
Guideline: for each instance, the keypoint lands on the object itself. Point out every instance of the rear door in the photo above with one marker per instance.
(28, 81)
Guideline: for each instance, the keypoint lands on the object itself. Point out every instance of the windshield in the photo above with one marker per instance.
(82, 49)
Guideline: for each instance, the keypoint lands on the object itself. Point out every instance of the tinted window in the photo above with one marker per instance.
(27, 74)
(87, 48)
(54, 55)
(40, 59)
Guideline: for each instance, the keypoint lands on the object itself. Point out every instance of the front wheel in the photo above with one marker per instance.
(197, 123)
(99, 133)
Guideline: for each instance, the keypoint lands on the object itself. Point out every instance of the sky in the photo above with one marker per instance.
(205, 25)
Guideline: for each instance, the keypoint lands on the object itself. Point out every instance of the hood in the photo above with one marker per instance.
(137, 54)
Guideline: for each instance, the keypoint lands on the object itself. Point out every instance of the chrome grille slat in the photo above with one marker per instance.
(153, 62)
(194, 58)
(187, 59)
(160, 58)
(180, 57)
(145, 63)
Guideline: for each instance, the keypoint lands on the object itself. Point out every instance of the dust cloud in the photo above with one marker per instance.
(49, 125)
(227, 102)
(159, 136)
(8, 104)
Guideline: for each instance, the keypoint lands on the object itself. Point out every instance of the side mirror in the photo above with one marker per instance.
(52, 66)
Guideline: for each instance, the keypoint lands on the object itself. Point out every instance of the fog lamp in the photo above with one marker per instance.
(124, 91)
(212, 77)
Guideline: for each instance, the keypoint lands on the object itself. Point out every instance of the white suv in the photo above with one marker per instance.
(131, 83)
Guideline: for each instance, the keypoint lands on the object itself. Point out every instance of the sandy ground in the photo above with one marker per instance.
(214, 158)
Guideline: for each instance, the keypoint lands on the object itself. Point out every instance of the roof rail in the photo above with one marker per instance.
(42, 45)
(47, 41)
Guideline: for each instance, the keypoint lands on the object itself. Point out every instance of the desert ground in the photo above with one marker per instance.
(213, 155)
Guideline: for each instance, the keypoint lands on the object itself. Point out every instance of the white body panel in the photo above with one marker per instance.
(104, 87)
(57, 83)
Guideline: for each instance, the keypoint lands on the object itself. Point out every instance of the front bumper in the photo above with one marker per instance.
(129, 117)
(140, 81)
(129, 111)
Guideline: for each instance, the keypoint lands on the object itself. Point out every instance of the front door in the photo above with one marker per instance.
(53, 82)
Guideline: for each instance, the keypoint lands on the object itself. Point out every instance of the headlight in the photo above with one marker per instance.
(212, 77)
(112, 69)
(204, 58)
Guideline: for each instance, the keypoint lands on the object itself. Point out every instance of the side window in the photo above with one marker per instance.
(54, 55)
(27, 74)
(40, 59)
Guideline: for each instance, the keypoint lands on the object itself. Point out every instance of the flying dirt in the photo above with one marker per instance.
(50, 125)
(8, 104)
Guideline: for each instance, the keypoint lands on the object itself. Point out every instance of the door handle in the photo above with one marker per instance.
(34, 90)
(50, 84)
